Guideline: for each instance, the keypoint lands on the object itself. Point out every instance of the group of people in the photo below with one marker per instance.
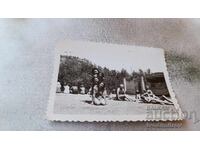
(60, 88)
(99, 94)
(122, 96)
(98, 88)
(70, 89)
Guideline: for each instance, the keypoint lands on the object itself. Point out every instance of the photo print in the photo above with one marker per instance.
(110, 82)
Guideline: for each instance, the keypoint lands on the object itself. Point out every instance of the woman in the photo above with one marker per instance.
(121, 93)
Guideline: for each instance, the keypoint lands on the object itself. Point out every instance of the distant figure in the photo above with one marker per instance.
(90, 91)
(148, 90)
(66, 91)
(74, 89)
(58, 90)
(138, 96)
(62, 88)
(121, 93)
(82, 89)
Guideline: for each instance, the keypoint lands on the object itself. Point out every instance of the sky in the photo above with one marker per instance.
(115, 56)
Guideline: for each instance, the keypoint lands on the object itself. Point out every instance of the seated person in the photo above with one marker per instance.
(82, 89)
(74, 89)
(101, 95)
(121, 93)
(94, 92)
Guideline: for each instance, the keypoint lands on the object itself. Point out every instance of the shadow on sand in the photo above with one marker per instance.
(87, 101)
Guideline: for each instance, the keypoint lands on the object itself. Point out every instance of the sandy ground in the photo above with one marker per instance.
(81, 104)
(26, 65)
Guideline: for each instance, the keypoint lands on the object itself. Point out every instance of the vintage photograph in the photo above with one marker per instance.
(107, 82)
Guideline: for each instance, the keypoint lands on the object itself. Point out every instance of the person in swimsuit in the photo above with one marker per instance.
(121, 93)
(137, 96)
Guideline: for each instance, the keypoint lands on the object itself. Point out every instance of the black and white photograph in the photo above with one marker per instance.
(96, 81)
(84, 68)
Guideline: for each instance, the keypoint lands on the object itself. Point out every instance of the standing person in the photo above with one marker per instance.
(58, 90)
(66, 91)
(137, 97)
(62, 88)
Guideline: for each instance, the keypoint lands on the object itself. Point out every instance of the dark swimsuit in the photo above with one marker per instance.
(121, 92)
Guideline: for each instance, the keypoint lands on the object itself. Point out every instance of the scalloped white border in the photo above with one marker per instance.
(103, 118)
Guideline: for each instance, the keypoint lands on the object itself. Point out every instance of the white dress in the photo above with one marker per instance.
(66, 91)
(58, 90)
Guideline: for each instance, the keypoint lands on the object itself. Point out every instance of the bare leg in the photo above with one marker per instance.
(102, 101)
(95, 101)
